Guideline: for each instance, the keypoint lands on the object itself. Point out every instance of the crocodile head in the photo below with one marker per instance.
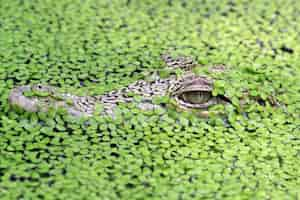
(189, 92)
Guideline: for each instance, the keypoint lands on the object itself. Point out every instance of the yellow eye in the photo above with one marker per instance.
(196, 97)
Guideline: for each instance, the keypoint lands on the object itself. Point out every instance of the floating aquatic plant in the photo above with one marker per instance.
(91, 47)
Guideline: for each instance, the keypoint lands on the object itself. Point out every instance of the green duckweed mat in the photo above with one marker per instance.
(90, 47)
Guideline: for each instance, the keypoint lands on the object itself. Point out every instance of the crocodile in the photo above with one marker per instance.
(188, 92)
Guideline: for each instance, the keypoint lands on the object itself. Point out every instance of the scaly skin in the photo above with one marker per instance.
(189, 92)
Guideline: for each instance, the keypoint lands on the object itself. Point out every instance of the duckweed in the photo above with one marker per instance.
(91, 47)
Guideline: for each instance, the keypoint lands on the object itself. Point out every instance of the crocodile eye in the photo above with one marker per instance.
(196, 97)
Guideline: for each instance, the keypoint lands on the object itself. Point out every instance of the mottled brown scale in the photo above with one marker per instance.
(189, 92)
(181, 89)
(186, 63)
